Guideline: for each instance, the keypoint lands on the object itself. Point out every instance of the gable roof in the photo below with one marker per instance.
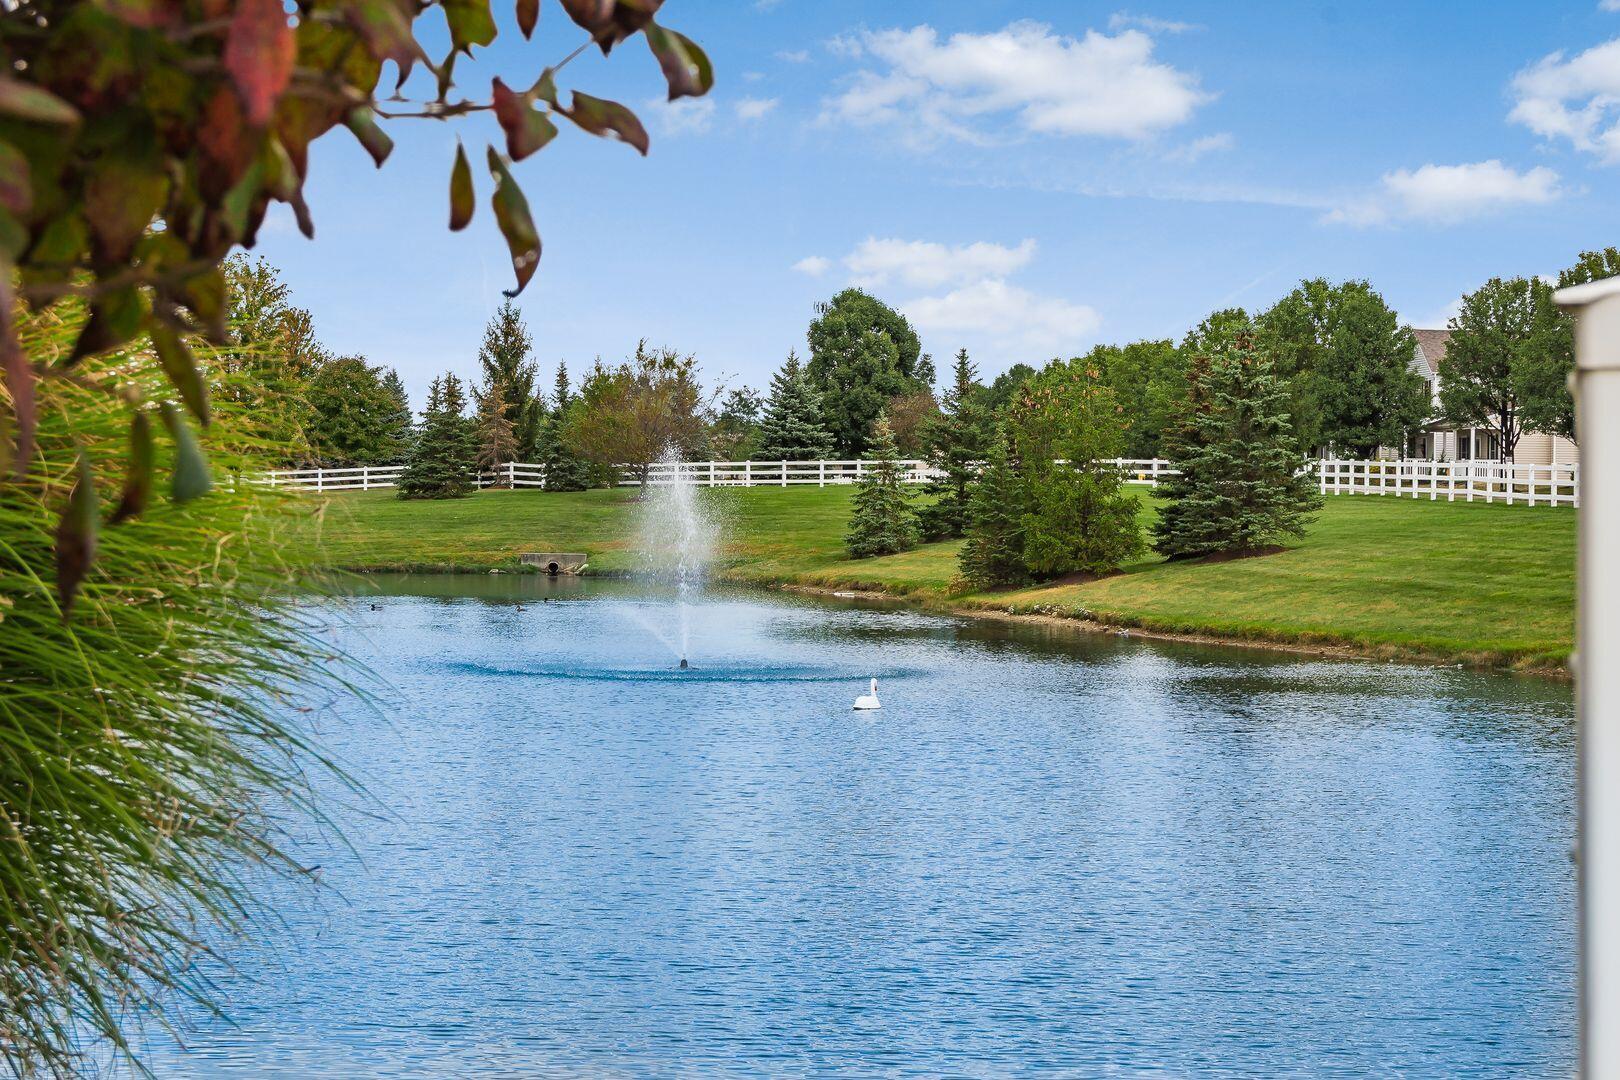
(1432, 346)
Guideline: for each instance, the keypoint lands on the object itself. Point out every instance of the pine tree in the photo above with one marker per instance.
(494, 432)
(401, 432)
(442, 463)
(882, 521)
(994, 551)
(504, 359)
(1243, 483)
(564, 471)
(792, 429)
(957, 443)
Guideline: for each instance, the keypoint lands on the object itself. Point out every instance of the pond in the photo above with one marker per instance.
(1048, 851)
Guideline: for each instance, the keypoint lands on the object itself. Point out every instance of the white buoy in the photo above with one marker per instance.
(869, 701)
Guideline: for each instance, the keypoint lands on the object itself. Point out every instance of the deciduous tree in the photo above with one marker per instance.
(1503, 329)
(1148, 379)
(863, 353)
(735, 434)
(1541, 379)
(632, 414)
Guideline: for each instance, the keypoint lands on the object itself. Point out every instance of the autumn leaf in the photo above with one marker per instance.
(259, 53)
(191, 478)
(26, 102)
(686, 67)
(461, 191)
(602, 117)
(181, 368)
(363, 122)
(138, 473)
(516, 223)
(76, 536)
(527, 129)
(528, 14)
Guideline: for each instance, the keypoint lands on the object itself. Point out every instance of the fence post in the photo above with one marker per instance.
(821, 473)
(748, 474)
(783, 464)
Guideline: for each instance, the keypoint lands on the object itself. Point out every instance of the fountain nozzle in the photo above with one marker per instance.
(683, 663)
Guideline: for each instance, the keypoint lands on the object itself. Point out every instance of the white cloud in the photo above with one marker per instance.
(1577, 98)
(814, 265)
(1609, 5)
(1446, 194)
(1008, 315)
(1187, 153)
(754, 108)
(684, 116)
(794, 56)
(1098, 85)
(1122, 20)
(924, 265)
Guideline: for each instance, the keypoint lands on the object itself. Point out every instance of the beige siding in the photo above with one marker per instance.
(1537, 449)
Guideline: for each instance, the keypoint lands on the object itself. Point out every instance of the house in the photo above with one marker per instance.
(1441, 440)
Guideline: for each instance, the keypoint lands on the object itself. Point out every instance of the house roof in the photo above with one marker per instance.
(1432, 346)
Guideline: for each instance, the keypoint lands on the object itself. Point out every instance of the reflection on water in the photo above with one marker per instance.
(1046, 852)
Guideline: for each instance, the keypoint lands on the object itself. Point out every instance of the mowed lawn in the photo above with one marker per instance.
(1488, 584)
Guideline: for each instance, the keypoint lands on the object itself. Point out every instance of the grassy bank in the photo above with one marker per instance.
(1470, 582)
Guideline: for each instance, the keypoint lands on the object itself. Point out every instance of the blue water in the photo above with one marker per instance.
(1047, 853)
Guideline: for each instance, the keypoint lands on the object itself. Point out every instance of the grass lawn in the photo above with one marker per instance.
(1489, 584)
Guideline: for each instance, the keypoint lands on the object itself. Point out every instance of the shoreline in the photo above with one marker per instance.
(1324, 647)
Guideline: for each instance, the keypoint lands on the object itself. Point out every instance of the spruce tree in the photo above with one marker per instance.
(504, 359)
(792, 429)
(882, 521)
(401, 431)
(442, 463)
(494, 433)
(1243, 482)
(564, 471)
(994, 552)
(957, 441)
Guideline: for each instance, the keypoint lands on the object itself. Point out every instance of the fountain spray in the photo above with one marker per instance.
(677, 538)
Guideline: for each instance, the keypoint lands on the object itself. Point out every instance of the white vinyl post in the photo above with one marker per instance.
(1597, 666)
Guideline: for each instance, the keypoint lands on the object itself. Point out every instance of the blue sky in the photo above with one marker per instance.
(1023, 179)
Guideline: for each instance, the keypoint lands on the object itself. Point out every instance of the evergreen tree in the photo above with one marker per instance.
(353, 414)
(994, 552)
(863, 353)
(1244, 483)
(493, 431)
(791, 429)
(504, 360)
(957, 442)
(564, 470)
(442, 463)
(401, 431)
(1065, 426)
(882, 521)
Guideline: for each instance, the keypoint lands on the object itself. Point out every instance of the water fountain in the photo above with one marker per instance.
(677, 542)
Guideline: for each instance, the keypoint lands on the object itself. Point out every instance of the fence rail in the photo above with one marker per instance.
(1487, 481)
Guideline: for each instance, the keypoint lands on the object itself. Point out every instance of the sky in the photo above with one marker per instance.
(1023, 180)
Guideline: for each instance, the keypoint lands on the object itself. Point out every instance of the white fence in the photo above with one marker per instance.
(1488, 481)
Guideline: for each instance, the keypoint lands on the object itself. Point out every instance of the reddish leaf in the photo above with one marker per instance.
(25, 101)
(611, 21)
(138, 475)
(76, 536)
(19, 378)
(527, 129)
(686, 67)
(204, 294)
(363, 122)
(528, 14)
(227, 151)
(602, 117)
(16, 189)
(181, 369)
(259, 52)
(461, 191)
(470, 23)
(516, 223)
